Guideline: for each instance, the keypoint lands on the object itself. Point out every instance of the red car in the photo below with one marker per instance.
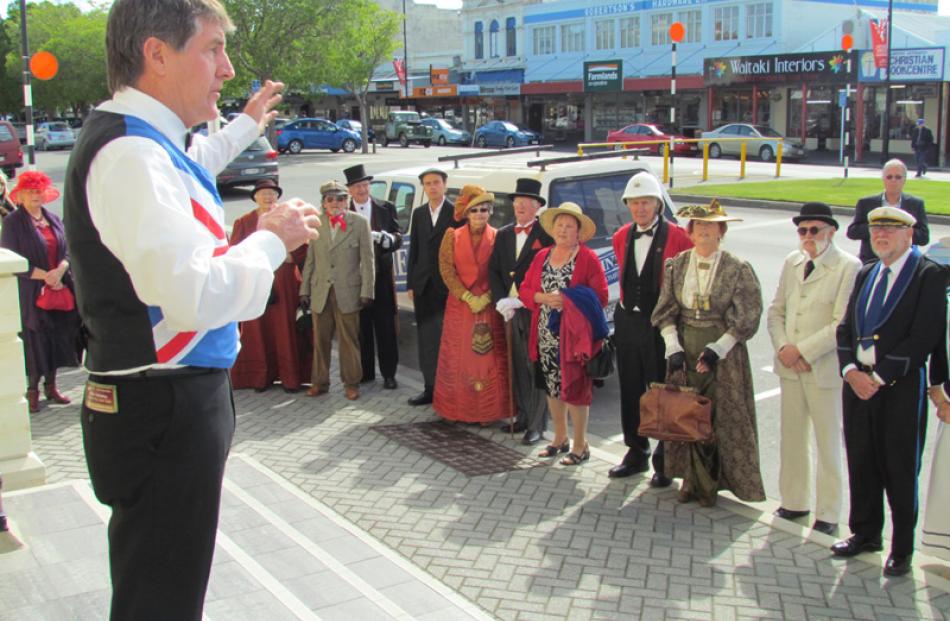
(639, 132)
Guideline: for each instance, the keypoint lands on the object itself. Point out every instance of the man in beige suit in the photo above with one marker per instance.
(812, 298)
(337, 283)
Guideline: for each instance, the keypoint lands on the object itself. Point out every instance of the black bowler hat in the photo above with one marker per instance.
(530, 188)
(816, 211)
(355, 174)
(266, 184)
(434, 171)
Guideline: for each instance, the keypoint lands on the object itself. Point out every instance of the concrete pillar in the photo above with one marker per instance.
(19, 465)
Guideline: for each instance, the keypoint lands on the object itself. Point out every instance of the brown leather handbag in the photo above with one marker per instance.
(676, 414)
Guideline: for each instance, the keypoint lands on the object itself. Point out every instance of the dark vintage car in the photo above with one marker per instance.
(258, 161)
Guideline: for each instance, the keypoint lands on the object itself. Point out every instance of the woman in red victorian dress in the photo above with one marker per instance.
(472, 376)
(271, 348)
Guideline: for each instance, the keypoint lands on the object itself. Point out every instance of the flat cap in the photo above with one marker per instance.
(890, 216)
(433, 171)
(333, 187)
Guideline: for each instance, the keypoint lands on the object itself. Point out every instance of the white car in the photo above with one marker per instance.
(54, 135)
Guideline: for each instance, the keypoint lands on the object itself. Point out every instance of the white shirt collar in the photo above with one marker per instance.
(134, 102)
(652, 224)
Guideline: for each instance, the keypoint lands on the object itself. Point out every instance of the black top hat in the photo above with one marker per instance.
(530, 188)
(816, 211)
(355, 174)
(266, 184)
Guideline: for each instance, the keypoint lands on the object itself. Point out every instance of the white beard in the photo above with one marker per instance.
(820, 247)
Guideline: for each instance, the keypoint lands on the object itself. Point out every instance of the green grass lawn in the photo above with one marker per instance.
(842, 192)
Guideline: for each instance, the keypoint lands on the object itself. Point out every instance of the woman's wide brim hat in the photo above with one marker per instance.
(34, 180)
(587, 226)
(713, 212)
(266, 184)
(469, 191)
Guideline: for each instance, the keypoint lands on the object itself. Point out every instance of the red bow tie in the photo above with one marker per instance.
(338, 221)
(523, 229)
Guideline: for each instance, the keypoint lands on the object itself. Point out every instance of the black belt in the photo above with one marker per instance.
(153, 374)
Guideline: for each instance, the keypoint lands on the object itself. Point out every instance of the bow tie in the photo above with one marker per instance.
(526, 229)
(639, 234)
(338, 221)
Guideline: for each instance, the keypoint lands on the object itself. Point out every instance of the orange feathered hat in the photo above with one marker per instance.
(468, 192)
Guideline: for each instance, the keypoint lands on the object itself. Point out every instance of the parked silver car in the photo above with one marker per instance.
(765, 150)
(54, 135)
(258, 161)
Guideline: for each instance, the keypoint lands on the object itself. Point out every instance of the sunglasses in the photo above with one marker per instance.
(893, 177)
(814, 230)
(479, 210)
(339, 199)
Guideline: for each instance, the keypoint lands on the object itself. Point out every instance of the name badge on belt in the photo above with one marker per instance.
(102, 398)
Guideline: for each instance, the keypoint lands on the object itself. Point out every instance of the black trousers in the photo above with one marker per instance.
(884, 439)
(530, 401)
(378, 330)
(429, 307)
(640, 360)
(159, 463)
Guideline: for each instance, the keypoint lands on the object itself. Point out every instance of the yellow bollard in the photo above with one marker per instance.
(778, 160)
(705, 161)
(742, 153)
(580, 151)
(666, 165)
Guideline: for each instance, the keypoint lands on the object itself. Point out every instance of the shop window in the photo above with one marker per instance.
(572, 38)
(758, 21)
(479, 41)
(908, 107)
(692, 23)
(660, 28)
(493, 39)
(604, 34)
(630, 32)
(823, 116)
(543, 40)
(726, 23)
(511, 45)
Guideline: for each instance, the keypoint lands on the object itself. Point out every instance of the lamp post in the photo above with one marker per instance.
(847, 44)
(405, 47)
(886, 146)
(27, 88)
(676, 35)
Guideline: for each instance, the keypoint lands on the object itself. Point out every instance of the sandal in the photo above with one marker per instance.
(551, 450)
(573, 459)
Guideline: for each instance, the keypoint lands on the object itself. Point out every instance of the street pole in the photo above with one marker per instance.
(405, 48)
(676, 34)
(886, 148)
(27, 88)
(847, 42)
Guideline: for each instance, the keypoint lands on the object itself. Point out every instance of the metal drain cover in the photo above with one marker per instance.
(452, 445)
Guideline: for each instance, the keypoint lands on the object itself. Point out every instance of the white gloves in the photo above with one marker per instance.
(384, 239)
(508, 306)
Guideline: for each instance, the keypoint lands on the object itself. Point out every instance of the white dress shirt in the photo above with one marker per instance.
(641, 247)
(434, 214)
(142, 211)
(365, 210)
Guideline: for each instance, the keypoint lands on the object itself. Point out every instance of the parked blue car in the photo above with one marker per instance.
(356, 126)
(443, 133)
(505, 134)
(301, 134)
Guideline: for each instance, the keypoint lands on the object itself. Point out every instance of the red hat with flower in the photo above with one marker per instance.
(34, 180)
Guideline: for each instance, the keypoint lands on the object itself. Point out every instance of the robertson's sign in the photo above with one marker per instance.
(823, 66)
(603, 76)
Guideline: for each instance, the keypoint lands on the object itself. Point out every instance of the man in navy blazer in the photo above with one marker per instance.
(896, 317)
(894, 175)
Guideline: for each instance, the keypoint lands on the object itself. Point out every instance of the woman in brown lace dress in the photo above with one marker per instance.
(709, 307)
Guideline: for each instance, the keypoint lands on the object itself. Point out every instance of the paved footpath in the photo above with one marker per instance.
(318, 486)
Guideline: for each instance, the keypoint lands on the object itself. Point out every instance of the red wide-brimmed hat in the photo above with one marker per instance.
(34, 180)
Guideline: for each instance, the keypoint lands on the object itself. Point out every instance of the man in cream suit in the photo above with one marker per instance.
(812, 298)
(338, 281)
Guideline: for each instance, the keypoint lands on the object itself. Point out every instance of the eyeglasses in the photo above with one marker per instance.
(814, 230)
(479, 210)
(886, 228)
(893, 177)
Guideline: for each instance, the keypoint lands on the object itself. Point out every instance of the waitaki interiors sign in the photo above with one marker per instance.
(603, 76)
(788, 68)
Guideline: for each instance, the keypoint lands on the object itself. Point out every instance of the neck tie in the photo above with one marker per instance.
(875, 309)
(338, 222)
(639, 234)
(523, 229)
(809, 268)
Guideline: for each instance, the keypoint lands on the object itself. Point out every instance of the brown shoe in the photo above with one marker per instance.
(54, 395)
(33, 400)
(316, 391)
(352, 393)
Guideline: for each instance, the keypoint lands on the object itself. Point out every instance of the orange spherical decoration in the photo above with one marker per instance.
(677, 31)
(847, 42)
(44, 65)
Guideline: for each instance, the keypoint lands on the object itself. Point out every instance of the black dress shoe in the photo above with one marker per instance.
(627, 470)
(531, 437)
(423, 398)
(788, 514)
(518, 428)
(390, 383)
(658, 480)
(897, 566)
(854, 545)
(828, 528)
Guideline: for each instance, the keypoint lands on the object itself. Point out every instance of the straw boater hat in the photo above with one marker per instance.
(468, 192)
(588, 228)
(266, 184)
(706, 213)
(35, 180)
(890, 216)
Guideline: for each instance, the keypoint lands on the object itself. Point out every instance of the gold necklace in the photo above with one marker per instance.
(702, 297)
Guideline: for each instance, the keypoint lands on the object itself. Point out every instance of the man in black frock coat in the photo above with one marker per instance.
(896, 317)
(515, 247)
(427, 290)
(378, 321)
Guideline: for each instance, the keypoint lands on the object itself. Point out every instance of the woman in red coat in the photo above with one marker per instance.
(569, 263)
(271, 350)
